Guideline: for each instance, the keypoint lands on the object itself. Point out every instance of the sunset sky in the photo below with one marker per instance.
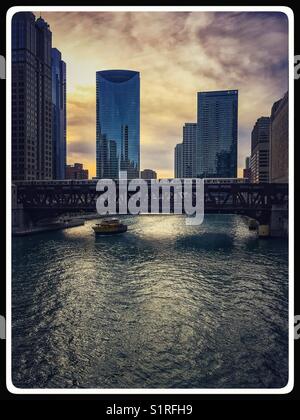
(177, 55)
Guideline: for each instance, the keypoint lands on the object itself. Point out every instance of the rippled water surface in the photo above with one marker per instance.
(163, 306)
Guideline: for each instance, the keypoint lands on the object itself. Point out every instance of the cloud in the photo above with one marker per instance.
(84, 148)
(81, 120)
(177, 54)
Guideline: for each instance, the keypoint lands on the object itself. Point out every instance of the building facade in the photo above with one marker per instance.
(189, 140)
(117, 123)
(76, 171)
(247, 170)
(148, 174)
(178, 161)
(31, 98)
(279, 141)
(217, 120)
(260, 143)
(59, 114)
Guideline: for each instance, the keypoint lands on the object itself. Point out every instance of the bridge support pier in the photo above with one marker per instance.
(263, 231)
(279, 221)
(275, 224)
(17, 211)
(20, 219)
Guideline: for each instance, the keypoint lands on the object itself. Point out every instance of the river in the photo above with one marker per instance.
(164, 305)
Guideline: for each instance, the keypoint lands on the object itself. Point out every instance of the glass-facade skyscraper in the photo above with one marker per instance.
(58, 114)
(117, 123)
(217, 120)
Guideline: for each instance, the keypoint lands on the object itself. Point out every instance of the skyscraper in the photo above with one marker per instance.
(178, 161)
(118, 123)
(189, 150)
(247, 170)
(217, 119)
(58, 114)
(279, 141)
(31, 98)
(260, 143)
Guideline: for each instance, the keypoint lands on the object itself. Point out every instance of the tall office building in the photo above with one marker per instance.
(217, 120)
(260, 143)
(118, 123)
(178, 161)
(189, 150)
(31, 98)
(58, 114)
(247, 170)
(279, 141)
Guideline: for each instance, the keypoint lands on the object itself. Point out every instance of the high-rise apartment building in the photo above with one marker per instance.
(178, 161)
(31, 98)
(279, 141)
(189, 140)
(260, 143)
(217, 120)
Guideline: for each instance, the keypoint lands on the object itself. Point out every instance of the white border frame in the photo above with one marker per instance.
(110, 391)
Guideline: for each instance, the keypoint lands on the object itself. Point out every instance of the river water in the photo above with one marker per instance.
(163, 306)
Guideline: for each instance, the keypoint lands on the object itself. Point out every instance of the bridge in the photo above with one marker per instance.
(41, 199)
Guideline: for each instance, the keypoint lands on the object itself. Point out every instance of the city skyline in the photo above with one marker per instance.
(198, 51)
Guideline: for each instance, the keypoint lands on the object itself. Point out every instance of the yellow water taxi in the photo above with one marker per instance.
(109, 227)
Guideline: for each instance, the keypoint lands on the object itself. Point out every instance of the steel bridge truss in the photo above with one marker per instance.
(254, 200)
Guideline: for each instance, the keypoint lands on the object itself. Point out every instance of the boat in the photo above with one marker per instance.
(109, 227)
(253, 224)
